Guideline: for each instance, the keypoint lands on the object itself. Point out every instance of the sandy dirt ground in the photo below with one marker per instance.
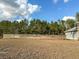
(38, 49)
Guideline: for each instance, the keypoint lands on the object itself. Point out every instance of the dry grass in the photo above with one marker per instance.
(38, 49)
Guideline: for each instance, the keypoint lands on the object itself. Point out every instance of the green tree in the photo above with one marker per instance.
(23, 26)
(5, 25)
(35, 26)
(61, 27)
(77, 16)
(54, 27)
(70, 23)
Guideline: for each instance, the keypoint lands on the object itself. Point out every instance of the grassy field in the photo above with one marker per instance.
(38, 49)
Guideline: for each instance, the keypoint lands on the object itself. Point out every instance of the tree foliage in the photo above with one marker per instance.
(37, 26)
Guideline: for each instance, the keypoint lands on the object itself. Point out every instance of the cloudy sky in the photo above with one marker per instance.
(50, 10)
(15, 9)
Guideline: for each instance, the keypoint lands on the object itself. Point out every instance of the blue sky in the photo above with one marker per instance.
(52, 10)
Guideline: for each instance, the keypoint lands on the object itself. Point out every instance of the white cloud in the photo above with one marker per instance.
(55, 1)
(65, 1)
(10, 8)
(33, 8)
(68, 17)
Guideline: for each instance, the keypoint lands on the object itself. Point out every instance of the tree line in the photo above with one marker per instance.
(36, 26)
